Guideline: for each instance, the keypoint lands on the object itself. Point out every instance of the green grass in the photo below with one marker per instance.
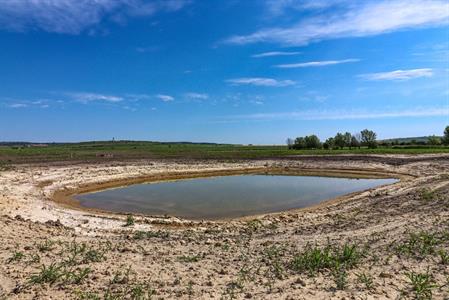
(136, 150)
(421, 244)
(316, 259)
(422, 284)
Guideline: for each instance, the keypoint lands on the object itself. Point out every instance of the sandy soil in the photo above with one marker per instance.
(397, 236)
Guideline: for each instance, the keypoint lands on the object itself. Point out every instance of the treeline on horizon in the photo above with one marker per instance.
(364, 138)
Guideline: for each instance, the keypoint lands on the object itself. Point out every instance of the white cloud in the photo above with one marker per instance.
(89, 97)
(275, 53)
(343, 114)
(259, 81)
(165, 98)
(317, 63)
(364, 18)
(17, 105)
(398, 75)
(197, 96)
(75, 16)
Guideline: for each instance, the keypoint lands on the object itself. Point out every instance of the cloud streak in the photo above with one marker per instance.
(317, 63)
(314, 115)
(165, 98)
(90, 97)
(274, 53)
(73, 17)
(365, 18)
(398, 75)
(260, 81)
(197, 96)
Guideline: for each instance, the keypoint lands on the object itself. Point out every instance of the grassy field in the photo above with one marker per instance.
(134, 150)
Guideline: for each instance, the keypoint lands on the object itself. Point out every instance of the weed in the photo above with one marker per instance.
(340, 276)
(444, 256)
(189, 258)
(129, 221)
(272, 258)
(366, 280)
(315, 259)
(421, 284)
(78, 276)
(80, 295)
(421, 244)
(48, 274)
(45, 246)
(253, 225)
(427, 195)
(231, 290)
(35, 258)
(16, 256)
(121, 278)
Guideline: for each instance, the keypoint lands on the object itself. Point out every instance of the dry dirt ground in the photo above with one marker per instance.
(391, 242)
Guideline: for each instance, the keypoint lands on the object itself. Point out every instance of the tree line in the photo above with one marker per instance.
(364, 138)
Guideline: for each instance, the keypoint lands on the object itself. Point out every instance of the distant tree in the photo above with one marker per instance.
(368, 138)
(290, 142)
(434, 140)
(347, 136)
(339, 140)
(329, 143)
(446, 136)
(312, 142)
(300, 143)
(355, 143)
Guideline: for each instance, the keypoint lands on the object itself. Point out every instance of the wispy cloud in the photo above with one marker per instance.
(89, 97)
(398, 75)
(165, 98)
(260, 81)
(342, 114)
(317, 63)
(196, 96)
(73, 17)
(275, 53)
(17, 105)
(364, 18)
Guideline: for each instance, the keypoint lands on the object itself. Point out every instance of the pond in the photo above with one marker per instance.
(225, 197)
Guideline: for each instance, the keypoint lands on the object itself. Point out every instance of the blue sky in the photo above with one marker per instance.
(232, 71)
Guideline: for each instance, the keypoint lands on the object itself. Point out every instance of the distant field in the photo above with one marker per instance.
(98, 151)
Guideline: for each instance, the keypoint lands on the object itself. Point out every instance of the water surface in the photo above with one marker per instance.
(225, 196)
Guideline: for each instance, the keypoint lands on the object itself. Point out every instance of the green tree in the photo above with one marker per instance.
(446, 136)
(368, 138)
(290, 142)
(339, 140)
(434, 140)
(300, 143)
(312, 142)
(329, 143)
(347, 136)
(355, 143)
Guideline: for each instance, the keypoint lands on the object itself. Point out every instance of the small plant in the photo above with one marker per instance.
(315, 259)
(189, 258)
(16, 256)
(427, 195)
(422, 284)
(444, 256)
(253, 225)
(45, 246)
(421, 244)
(80, 295)
(121, 278)
(340, 276)
(78, 276)
(129, 221)
(48, 274)
(366, 280)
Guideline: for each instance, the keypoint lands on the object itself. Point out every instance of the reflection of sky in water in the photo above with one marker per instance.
(226, 196)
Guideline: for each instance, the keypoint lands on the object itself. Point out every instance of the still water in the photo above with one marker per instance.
(225, 196)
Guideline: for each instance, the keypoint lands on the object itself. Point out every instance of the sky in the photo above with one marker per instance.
(248, 71)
